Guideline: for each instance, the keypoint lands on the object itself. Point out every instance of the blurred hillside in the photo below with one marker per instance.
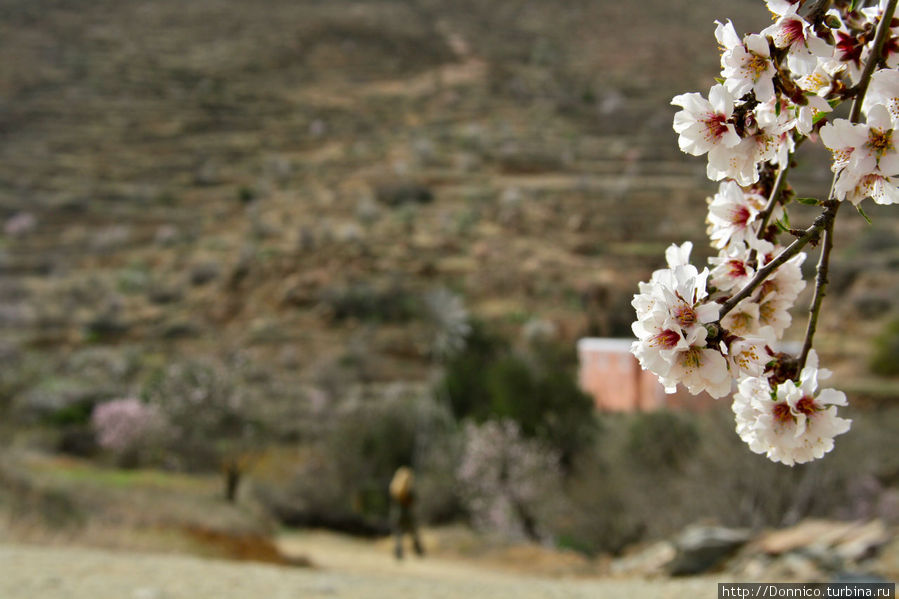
(260, 226)
(290, 179)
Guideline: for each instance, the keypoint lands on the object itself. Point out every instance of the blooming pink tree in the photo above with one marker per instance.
(507, 482)
(714, 329)
(125, 426)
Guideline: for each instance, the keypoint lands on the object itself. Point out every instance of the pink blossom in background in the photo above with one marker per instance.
(123, 423)
(505, 478)
(20, 224)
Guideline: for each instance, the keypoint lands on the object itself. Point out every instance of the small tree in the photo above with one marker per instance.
(508, 483)
(127, 428)
(211, 420)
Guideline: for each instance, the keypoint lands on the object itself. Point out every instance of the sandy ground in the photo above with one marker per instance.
(347, 569)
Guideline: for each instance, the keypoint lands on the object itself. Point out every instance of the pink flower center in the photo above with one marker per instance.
(740, 216)
(716, 126)
(793, 31)
(666, 339)
(849, 48)
(736, 268)
(685, 315)
(807, 405)
(781, 413)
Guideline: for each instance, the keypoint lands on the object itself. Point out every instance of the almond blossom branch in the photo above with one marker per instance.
(779, 184)
(811, 234)
(883, 30)
(824, 222)
(820, 290)
(705, 328)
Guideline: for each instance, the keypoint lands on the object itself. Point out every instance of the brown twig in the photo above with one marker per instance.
(810, 234)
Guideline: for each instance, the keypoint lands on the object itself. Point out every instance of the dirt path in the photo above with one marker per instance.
(347, 569)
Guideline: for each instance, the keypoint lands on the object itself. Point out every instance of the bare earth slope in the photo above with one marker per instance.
(71, 573)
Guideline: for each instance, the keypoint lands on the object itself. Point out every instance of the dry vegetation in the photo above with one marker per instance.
(221, 176)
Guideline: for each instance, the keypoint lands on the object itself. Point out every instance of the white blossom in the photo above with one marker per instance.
(672, 311)
(777, 87)
(791, 423)
(699, 368)
(774, 317)
(884, 89)
(678, 255)
(769, 140)
(731, 270)
(732, 213)
(796, 34)
(781, 7)
(806, 115)
(703, 124)
(787, 280)
(739, 163)
(776, 127)
(861, 150)
(743, 320)
(747, 356)
(890, 46)
(848, 52)
(820, 80)
(674, 299)
(657, 346)
(746, 64)
(880, 188)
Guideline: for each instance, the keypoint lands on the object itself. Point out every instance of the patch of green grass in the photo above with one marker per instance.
(872, 387)
(640, 249)
(885, 359)
(71, 471)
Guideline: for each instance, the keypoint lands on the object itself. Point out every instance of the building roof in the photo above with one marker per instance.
(605, 344)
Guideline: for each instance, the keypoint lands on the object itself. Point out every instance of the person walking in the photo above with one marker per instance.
(402, 517)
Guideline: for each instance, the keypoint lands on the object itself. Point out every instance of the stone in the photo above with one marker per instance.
(850, 541)
(805, 533)
(397, 193)
(703, 548)
(647, 561)
(862, 541)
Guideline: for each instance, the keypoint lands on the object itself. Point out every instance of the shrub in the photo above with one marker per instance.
(616, 498)
(364, 302)
(463, 384)
(399, 193)
(448, 320)
(535, 390)
(661, 440)
(342, 477)
(885, 359)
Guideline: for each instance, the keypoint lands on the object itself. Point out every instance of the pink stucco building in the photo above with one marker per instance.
(613, 377)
